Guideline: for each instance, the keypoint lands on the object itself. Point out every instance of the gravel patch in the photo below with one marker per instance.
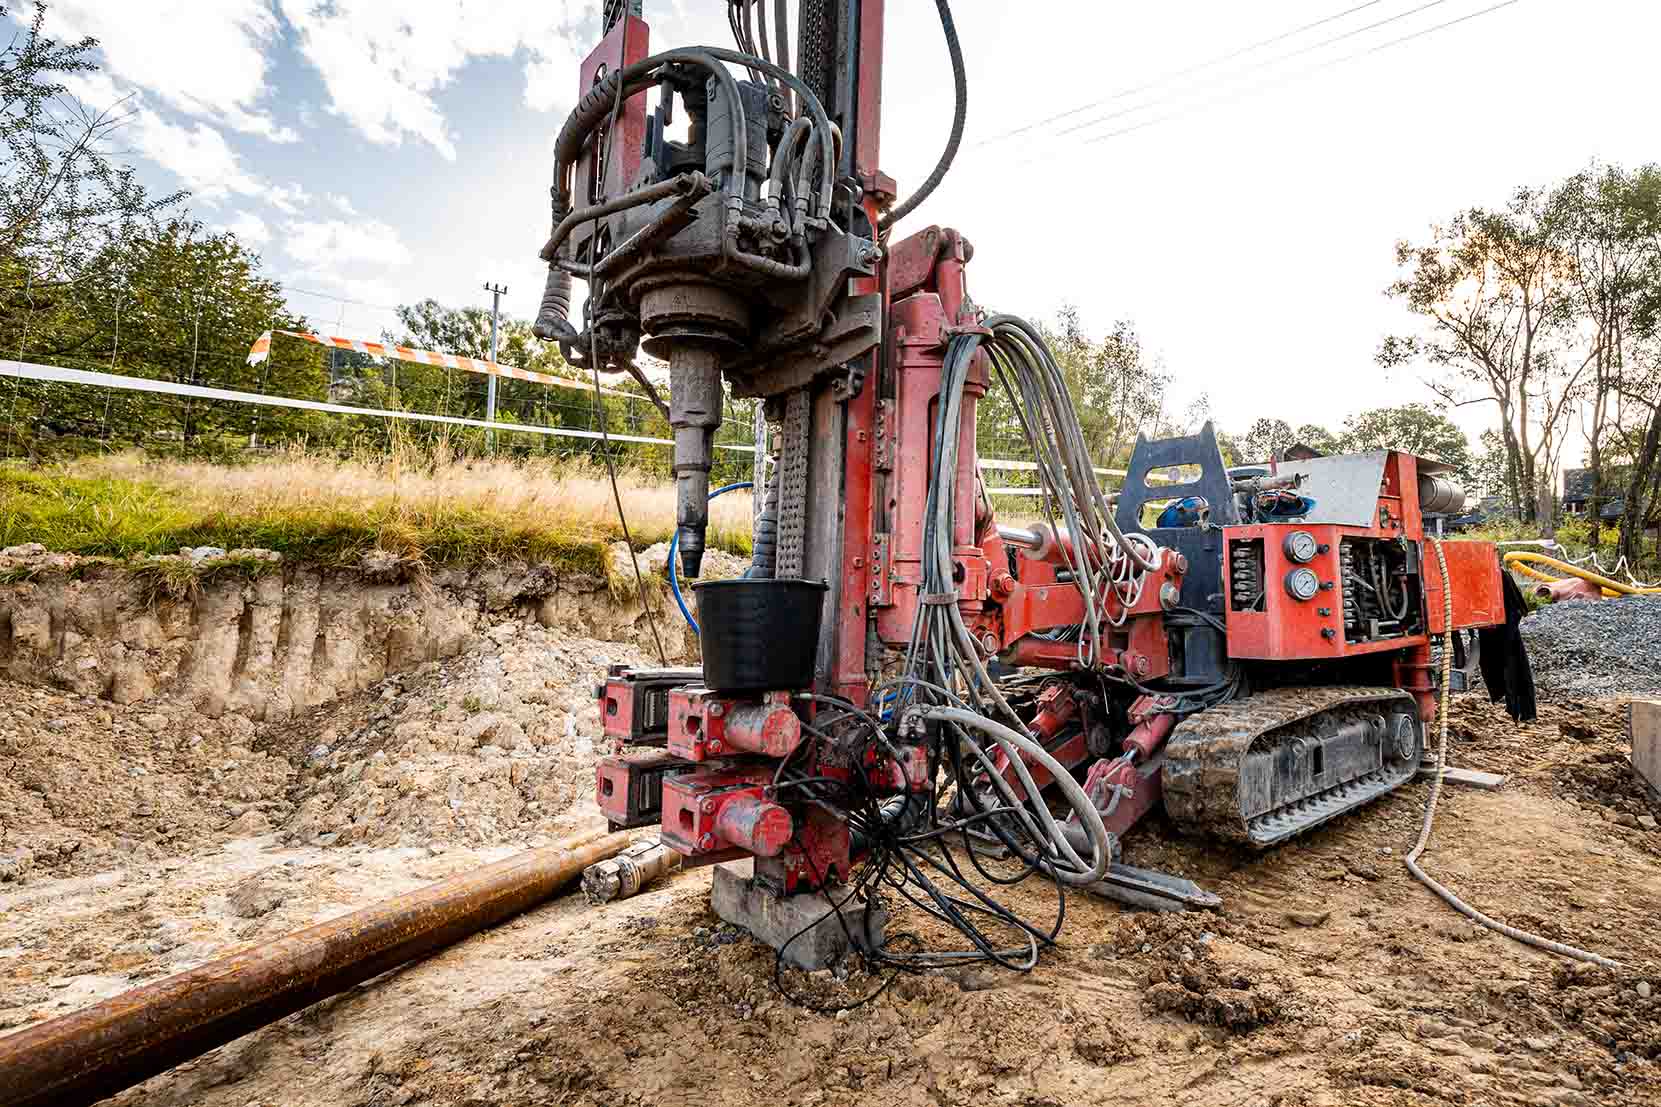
(1596, 648)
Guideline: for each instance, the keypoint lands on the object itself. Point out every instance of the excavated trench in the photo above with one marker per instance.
(241, 633)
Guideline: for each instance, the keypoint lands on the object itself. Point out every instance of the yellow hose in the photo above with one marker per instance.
(1518, 560)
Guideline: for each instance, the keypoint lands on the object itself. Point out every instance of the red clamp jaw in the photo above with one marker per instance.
(704, 724)
(710, 814)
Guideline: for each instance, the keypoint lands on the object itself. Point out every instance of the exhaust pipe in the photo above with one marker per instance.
(94, 1053)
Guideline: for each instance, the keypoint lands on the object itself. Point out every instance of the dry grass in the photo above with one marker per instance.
(433, 510)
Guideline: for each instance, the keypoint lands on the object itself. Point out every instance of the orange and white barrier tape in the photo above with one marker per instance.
(262, 350)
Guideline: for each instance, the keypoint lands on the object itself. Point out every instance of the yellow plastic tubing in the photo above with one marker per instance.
(1520, 559)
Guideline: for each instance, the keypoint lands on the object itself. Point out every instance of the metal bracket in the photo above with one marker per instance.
(882, 592)
(883, 446)
(848, 384)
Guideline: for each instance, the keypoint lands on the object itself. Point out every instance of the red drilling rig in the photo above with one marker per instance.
(901, 688)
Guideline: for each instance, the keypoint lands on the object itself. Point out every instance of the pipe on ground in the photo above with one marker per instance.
(83, 1057)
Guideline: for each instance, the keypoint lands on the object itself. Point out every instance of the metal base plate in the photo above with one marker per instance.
(809, 929)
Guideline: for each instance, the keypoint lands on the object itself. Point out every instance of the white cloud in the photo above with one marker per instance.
(382, 66)
(288, 199)
(196, 152)
(328, 244)
(201, 57)
(341, 202)
(250, 228)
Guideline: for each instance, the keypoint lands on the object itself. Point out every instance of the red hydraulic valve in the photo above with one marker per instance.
(755, 825)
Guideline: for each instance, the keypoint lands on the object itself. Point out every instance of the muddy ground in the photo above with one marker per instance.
(140, 842)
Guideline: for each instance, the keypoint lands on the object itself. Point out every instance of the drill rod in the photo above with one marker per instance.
(86, 1056)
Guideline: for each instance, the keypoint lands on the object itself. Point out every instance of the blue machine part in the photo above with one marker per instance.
(675, 541)
(1189, 511)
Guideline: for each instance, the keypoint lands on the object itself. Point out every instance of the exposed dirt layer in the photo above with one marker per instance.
(1329, 977)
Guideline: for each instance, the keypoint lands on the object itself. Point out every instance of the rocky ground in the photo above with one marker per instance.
(1597, 647)
(139, 841)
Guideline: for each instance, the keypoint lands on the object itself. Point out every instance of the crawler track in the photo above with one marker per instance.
(1207, 756)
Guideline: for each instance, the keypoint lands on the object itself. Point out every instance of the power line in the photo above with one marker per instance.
(1266, 63)
(332, 296)
(1164, 78)
(1234, 94)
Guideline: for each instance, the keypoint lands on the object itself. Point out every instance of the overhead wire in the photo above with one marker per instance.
(1234, 94)
(1258, 66)
(1160, 80)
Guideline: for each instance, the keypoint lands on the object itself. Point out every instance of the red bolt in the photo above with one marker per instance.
(707, 842)
(714, 745)
(709, 807)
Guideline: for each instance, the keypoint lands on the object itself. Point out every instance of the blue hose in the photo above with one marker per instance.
(674, 573)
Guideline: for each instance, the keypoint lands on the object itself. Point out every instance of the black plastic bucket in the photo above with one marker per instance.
(759, 634)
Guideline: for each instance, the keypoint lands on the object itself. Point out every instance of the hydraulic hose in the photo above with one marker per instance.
(1018, 747)
(1520, 560)
(960, 90)
(1412, 858)
(764, 544)
(596, 106)
(674, 543)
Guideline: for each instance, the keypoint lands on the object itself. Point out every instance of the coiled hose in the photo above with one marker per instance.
(1412, 858)
(764, 545)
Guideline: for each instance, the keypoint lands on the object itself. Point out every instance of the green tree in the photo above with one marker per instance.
(429, 325)
(1318, 438)
(1265, 439)
(1413, 428)
(63, 199)
(1612, 217)
(1491, 470)
(1499, 313)
(174, 303)
(1118, 388)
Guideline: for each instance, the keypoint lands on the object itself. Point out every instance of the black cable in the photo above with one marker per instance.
(960, 91)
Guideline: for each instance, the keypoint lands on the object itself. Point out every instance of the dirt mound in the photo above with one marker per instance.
(86, 784)
(496, 744)
(1191, 973)
(245, 633)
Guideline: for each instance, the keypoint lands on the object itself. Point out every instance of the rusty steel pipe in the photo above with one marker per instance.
(93, 1053)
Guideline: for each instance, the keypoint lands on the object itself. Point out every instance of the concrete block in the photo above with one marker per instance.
(1643, 727)
(808, 921)
(1471, 778)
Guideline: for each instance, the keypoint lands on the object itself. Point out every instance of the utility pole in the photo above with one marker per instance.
(497, 291)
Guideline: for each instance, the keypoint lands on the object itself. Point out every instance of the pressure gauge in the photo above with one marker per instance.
(1302, 584)
(1300, 547)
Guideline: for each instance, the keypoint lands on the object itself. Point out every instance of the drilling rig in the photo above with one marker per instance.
(901, 687)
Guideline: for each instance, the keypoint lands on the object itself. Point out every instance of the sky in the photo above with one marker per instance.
(1226, 177)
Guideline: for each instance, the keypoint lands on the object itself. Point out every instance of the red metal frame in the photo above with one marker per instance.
(626, 143)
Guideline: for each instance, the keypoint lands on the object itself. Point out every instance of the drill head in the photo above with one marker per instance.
(694, 412)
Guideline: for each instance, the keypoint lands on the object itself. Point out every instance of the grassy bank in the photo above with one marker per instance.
(325, 510)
